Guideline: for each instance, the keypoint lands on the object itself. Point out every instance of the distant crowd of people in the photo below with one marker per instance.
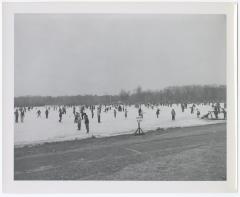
(80, 115)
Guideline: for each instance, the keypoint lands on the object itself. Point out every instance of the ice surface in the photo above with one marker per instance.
(38, 130)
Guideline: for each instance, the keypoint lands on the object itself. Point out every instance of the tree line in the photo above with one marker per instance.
(173, 94)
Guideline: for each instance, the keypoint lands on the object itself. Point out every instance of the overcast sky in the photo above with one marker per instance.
(72, 54)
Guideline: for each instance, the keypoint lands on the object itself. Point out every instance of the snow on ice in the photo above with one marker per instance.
(38, 130)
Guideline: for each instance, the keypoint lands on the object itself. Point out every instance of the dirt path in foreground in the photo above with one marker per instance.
(193, 153)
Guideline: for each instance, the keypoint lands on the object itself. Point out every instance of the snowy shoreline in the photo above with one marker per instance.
(35, 130)
(90, 136)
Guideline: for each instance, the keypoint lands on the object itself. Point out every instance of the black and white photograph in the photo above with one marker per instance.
(120, 97)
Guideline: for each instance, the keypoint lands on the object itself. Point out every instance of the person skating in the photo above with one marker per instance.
(79, 121)
(198, 113)
(115, 113)
(216, 112)
(63, 110)
(140, 112)
(157, 112)
(82, 112)
(192, 109)
(38, 113)
(206, 116)
(119, 108)
(46, 113)
(99, 115)
(86, 122)
(182, 106)
(74, 110)
(224, 113)
(60, 115)
(22, 115)
(125, 113)
(92, 112)
(16, 115)
(76, 117)
(218, 107)
(173, 114)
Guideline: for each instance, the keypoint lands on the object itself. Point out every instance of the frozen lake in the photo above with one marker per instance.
(38, 130)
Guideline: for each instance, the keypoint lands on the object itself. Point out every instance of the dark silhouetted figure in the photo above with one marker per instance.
(22, 115)
(224, 113)
(92, 112)
(38, 113)
(82, 112)
(192, 109)
(205, 116)
(74, 110)
(139, 111)
(79, 121)
(173, 114)
(86, 122)
(182, 106)
(198, 113)
(216, 112)
(99, 115)
(76, 117)
(16, 115)
(46, 113)
(157, 112)
(125, 112)
(60, 115)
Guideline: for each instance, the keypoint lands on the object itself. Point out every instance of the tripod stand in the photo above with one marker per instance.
(139, 131)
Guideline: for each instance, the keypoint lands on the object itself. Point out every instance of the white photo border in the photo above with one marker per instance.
(10, 185)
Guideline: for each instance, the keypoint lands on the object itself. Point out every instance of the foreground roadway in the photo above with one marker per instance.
(193, 153)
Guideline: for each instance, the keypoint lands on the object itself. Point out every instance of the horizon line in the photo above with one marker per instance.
(128, 91)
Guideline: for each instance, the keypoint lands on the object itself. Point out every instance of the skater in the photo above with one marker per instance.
(74, 110)
(16, 115)
(173, 114)
(125, 112)
(76, 117)
(140, 113)
(198, 113)
(86, 122)
(79, 121)
(22, 115)
(216, 112)
(224, 113)
(119, 108)
(82, 111)
(92, 112)
(157, 112)
(115, 113)
(218, 107)
(182, 106)
(192, 109)
(46, 113)
(38, 113)
(60, 115)
(206, 116)
(64, 110)
(99, 115)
